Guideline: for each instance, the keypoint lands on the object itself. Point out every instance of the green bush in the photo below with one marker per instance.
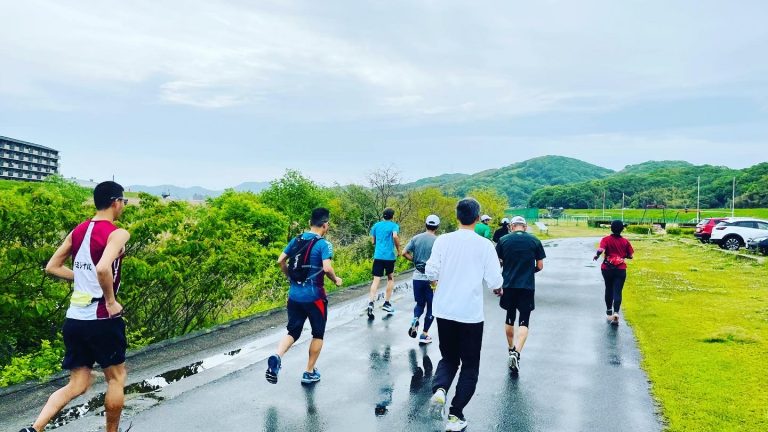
(674, 231)
(34, 366)
(639, 229)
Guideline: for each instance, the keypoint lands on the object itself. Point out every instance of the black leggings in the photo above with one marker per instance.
(614, 283)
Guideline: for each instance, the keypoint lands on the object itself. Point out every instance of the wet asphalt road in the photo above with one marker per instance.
(577, 372)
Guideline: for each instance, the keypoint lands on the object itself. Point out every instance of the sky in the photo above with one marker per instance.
(214, 93)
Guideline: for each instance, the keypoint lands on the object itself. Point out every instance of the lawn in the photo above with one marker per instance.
(701, 320)
(670, 214)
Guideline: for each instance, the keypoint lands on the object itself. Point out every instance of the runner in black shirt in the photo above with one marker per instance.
(521, 255)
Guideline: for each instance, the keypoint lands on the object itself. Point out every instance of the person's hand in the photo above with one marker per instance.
(594, 258)
(433, 284)
(338, 281)
(499, 292)
(114, 309)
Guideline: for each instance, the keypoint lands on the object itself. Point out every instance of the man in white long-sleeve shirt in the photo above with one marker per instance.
(462, 264)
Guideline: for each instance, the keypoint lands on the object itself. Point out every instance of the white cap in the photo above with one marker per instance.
(433, 220)
(518, 220)
(485, 218)
(505, 221)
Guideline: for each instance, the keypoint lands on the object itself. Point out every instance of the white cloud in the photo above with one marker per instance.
(445, 58)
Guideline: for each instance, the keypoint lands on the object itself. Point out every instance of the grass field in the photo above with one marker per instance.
(701, 320)
(682, 216)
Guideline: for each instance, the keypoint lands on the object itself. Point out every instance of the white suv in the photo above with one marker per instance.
(733, 233)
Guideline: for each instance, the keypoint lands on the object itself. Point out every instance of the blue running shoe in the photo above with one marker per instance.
(273, 368)
(414, 329)
(310, 377)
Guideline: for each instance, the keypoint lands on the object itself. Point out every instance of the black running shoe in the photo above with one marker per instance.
(273, 368)
(28, 429)
(370, 311)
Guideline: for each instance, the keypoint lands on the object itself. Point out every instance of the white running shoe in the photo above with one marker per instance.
(437, 403)
(455, 424)
(513, 362)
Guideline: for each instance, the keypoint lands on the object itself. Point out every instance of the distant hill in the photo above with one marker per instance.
(669, 183)
(518, 180)
(195, 192)
(650, 166)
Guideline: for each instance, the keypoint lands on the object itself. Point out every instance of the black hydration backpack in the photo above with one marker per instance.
(298, 258)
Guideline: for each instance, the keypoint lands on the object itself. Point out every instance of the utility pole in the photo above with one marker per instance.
(733, 198)
(622, 206)
(698, 199)
(603, 203)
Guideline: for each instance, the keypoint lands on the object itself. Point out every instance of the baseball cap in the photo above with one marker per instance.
(505, 221)
(433, 220)
(518, 220)
(485, 218)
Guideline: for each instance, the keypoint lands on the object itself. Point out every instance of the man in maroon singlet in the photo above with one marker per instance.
(94, 331)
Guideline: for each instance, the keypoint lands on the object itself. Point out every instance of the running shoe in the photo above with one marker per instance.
(310, 377)
(414, 329)
(513, 362)
(615, 320)
(28, 429)
(455, 424)
(370, 311)
(437, 403)
(425, 339)
(387, 307)
(273, 368)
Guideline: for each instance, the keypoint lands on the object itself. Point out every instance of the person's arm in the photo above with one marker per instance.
(630, 250)
(407, 251)
(282, 261)
(492, 273)
(396, 238)
(115, 246)
(330, 273)
(539, 266)
(432, 268)
(56, 265)
(600, 250)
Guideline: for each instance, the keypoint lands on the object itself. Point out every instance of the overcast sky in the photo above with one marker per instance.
(214, 93)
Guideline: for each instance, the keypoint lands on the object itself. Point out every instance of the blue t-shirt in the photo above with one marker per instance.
(385, 243)
(313, 288)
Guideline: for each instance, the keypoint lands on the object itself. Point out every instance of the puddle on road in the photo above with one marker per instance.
(145, 388)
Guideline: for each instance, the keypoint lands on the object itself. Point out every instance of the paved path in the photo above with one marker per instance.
(578, 373)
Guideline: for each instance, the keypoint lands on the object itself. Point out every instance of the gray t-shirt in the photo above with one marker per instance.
(420, 246)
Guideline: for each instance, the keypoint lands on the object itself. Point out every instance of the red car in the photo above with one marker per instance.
(704, 228)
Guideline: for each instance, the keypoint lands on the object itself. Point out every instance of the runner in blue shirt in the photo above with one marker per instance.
(386, 249)
(306, 298)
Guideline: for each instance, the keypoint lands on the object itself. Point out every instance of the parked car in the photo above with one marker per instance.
(704, 228)
(733, 233)
(758, 244)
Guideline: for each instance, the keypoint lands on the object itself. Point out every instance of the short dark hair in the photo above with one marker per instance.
(432, 227)
(320, 216)
(467, 211)
(389, 213)
(106, 192)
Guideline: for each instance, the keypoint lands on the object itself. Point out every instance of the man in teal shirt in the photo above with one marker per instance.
(385, 241)
(482, 228)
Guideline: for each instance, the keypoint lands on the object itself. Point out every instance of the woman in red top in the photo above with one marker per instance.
(614, 269)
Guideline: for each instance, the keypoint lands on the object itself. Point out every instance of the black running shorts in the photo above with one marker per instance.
(299, 312)
(94, 341)
(383, 267)
(516, 299)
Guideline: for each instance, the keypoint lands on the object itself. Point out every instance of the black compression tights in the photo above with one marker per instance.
(614, 284)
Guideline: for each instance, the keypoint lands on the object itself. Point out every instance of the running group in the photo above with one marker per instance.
(452, 271)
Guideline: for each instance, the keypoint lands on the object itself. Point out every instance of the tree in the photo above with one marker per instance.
(295, 196)
(383, 183)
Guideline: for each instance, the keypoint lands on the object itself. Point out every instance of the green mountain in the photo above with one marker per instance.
(669, 183)
(518, 180)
